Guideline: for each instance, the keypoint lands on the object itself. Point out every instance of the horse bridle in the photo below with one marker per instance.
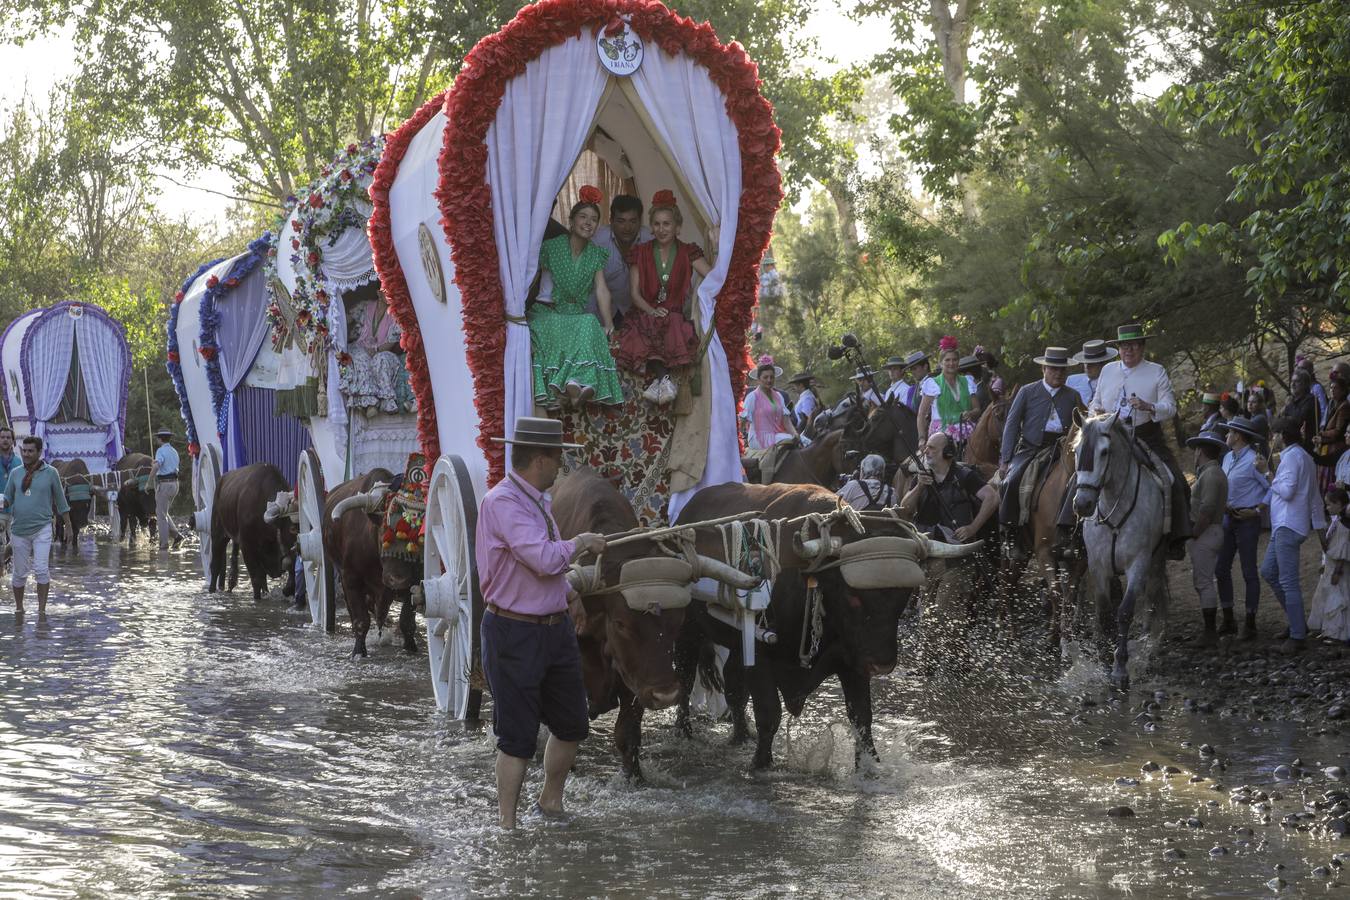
(1099, 517)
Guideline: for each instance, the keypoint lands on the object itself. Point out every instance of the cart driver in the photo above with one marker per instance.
(530, 652)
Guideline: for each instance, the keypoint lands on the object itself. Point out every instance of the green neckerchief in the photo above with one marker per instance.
(951, 408)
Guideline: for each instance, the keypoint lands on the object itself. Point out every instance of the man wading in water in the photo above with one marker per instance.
(530, 653)
(34, 497)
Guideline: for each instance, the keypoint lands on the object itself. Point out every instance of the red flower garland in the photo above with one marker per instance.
(465, 198)
(393, 280)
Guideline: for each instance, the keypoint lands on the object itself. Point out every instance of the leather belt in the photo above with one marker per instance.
(553, 619)
(173, 477)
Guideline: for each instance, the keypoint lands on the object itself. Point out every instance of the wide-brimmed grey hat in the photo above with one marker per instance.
(864, 373)
(1055, 357)
(164, 432)
(534, 432)
(1213, 438)
(1242, 425)
(1095, 352)
(802, 378)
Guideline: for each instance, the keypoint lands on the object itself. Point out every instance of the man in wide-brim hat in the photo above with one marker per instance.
(530, 653)
(1209, 499)
(1140, 391)
(1040, 415)
(808, 403)
(1094, 355)
(165, 477)
(864, 378)
(1247, 486)
(916, 365)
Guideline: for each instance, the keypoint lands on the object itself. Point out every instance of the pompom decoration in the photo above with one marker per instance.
(465, 196)
(947, 343)
(663, 198)
(590, 194)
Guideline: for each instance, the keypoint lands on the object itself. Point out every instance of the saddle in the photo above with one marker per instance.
(1161, 475)
(1033, 481)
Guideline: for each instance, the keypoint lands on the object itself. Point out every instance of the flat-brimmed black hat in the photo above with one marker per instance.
(1131, 332)
(164, 432)
(1095, 352)
(802, 378)
(863, 373)
(534, 432)
(895, 362)
(1056, 357)
(1213, 438)
(967, 363)
(1243, 425)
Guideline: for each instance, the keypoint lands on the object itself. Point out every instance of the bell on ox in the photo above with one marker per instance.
(881, 563)
(656, 583)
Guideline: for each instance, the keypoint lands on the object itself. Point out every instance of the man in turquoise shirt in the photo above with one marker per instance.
(33, 498)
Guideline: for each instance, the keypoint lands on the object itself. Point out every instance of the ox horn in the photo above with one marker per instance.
(581, 579)
(726, 574)
(940, 550)
(366, 502)
(280, 508)
(815, 548)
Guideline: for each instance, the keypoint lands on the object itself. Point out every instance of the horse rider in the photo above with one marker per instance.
(980, 366)
(808, 404)
(1040, 415)
(1211, 497)
(1209, 405)
(766, 413)
(1141, 392)
(954, 499)
(864, 378)
(1094, 355)
(868, 488)
(916, 366)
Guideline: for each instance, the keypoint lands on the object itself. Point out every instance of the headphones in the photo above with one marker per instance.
(948, 450)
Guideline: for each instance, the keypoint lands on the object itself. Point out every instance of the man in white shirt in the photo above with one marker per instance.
(1141, 393)
(624, 232)
(1295, 510)
(864, 379)
(907, 392)
(1095, 354)
(808, 403)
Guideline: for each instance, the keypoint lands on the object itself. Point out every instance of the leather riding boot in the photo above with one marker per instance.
(1229, 625)
(1249, 627)
(1208, 637)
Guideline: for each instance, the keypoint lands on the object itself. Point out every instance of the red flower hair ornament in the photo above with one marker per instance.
(947, 343)
(663, 198)
(590, 194)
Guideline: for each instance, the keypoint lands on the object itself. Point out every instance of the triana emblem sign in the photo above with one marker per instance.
(431, 262)
(620, 52)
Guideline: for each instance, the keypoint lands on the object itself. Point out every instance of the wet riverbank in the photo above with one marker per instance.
(160, 741)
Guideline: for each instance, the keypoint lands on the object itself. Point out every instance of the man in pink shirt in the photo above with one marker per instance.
(530, 653)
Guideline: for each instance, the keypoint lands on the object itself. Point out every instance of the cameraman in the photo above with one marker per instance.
(969, 502)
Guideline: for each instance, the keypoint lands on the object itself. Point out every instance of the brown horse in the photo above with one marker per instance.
(821, 463)
(982, 449)
(1061, 576)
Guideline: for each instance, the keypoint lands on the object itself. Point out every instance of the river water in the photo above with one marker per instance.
(159, 741)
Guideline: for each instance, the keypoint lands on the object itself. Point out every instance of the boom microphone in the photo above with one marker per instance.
(850, 341)
(835, 352)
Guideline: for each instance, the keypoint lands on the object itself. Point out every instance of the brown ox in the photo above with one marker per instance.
(237, 513)
(857, 643)
(135, 504)
(353, 521)
(627, 656)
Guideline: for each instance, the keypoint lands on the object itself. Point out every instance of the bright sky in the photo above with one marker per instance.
(37, 66)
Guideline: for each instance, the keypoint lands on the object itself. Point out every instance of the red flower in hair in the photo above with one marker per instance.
(590, 194)
(947, 343)
(663, 198)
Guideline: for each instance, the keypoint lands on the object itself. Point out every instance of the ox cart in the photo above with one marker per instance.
(67, 369)
(221, 366)
(568, 89)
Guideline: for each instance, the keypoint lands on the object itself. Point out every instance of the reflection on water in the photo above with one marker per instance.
(158, 740)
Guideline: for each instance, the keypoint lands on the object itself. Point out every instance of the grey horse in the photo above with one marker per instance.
(1122, 505)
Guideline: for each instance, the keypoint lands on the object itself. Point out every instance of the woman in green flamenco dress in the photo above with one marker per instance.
(570, 347)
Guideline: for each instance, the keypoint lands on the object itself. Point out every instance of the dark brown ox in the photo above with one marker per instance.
(79, 494)
(135, 504)
(627, 656)
(237, 513)
(353, 520)
(857, 643)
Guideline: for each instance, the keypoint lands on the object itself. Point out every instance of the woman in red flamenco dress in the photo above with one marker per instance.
(656, 336)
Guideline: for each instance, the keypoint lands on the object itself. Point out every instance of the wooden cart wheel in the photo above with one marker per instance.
(454, 604)
(310, 496)
(205, 479)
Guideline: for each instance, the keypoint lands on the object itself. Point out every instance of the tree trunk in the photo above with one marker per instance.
(843, 205)
(952, 29)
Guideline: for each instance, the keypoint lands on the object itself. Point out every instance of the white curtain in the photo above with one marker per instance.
(347, 262)
(541, 127)
(675, 92)
(46, 360)
(104, 368)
